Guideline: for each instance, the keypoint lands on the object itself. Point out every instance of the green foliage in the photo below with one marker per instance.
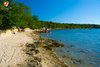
(16, 14)
(55, 25)
(19, 15)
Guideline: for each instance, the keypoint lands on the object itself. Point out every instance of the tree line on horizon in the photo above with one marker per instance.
(19, 15)
(56, 25)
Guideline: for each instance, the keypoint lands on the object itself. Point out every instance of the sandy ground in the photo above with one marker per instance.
(11, 54)
(49, 59)
(14, 53)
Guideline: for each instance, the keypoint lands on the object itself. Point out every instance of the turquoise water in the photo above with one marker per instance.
(82, 46)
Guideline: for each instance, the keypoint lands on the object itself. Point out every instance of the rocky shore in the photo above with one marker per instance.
(42, 51)
(27, 49)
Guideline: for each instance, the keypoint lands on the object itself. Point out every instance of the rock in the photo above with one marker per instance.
(53, 43)
(8, 32)
(47, 47)
(30, 45)
(56, 44)
(3, 34)
(15, 30)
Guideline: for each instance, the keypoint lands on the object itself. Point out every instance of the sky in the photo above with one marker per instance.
(66, 11)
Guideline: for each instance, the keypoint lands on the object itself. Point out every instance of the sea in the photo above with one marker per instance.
(81, 46)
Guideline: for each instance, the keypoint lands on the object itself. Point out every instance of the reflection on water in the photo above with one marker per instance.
(82, 46)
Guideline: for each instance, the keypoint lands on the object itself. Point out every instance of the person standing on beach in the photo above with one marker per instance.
(46, 30)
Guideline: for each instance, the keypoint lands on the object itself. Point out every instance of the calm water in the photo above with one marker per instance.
(82, 46)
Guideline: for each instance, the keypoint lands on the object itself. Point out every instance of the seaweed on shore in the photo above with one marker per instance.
(52, 43)
(31, 60)
(47, 44)
(32, 51)
(47, 47)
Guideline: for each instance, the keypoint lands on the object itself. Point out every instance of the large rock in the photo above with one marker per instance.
(3, 34)
(15, 30)
(8, 32)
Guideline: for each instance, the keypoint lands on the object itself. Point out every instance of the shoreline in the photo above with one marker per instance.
(66, 59)
(34, 51)
(27, 49)
(46, 53)
(73, 61)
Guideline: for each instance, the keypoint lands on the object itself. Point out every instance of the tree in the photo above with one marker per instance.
(16, 14)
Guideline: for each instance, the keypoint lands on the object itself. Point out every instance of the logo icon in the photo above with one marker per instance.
(6, 4)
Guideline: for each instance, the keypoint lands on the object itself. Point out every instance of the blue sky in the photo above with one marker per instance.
(66, 11)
